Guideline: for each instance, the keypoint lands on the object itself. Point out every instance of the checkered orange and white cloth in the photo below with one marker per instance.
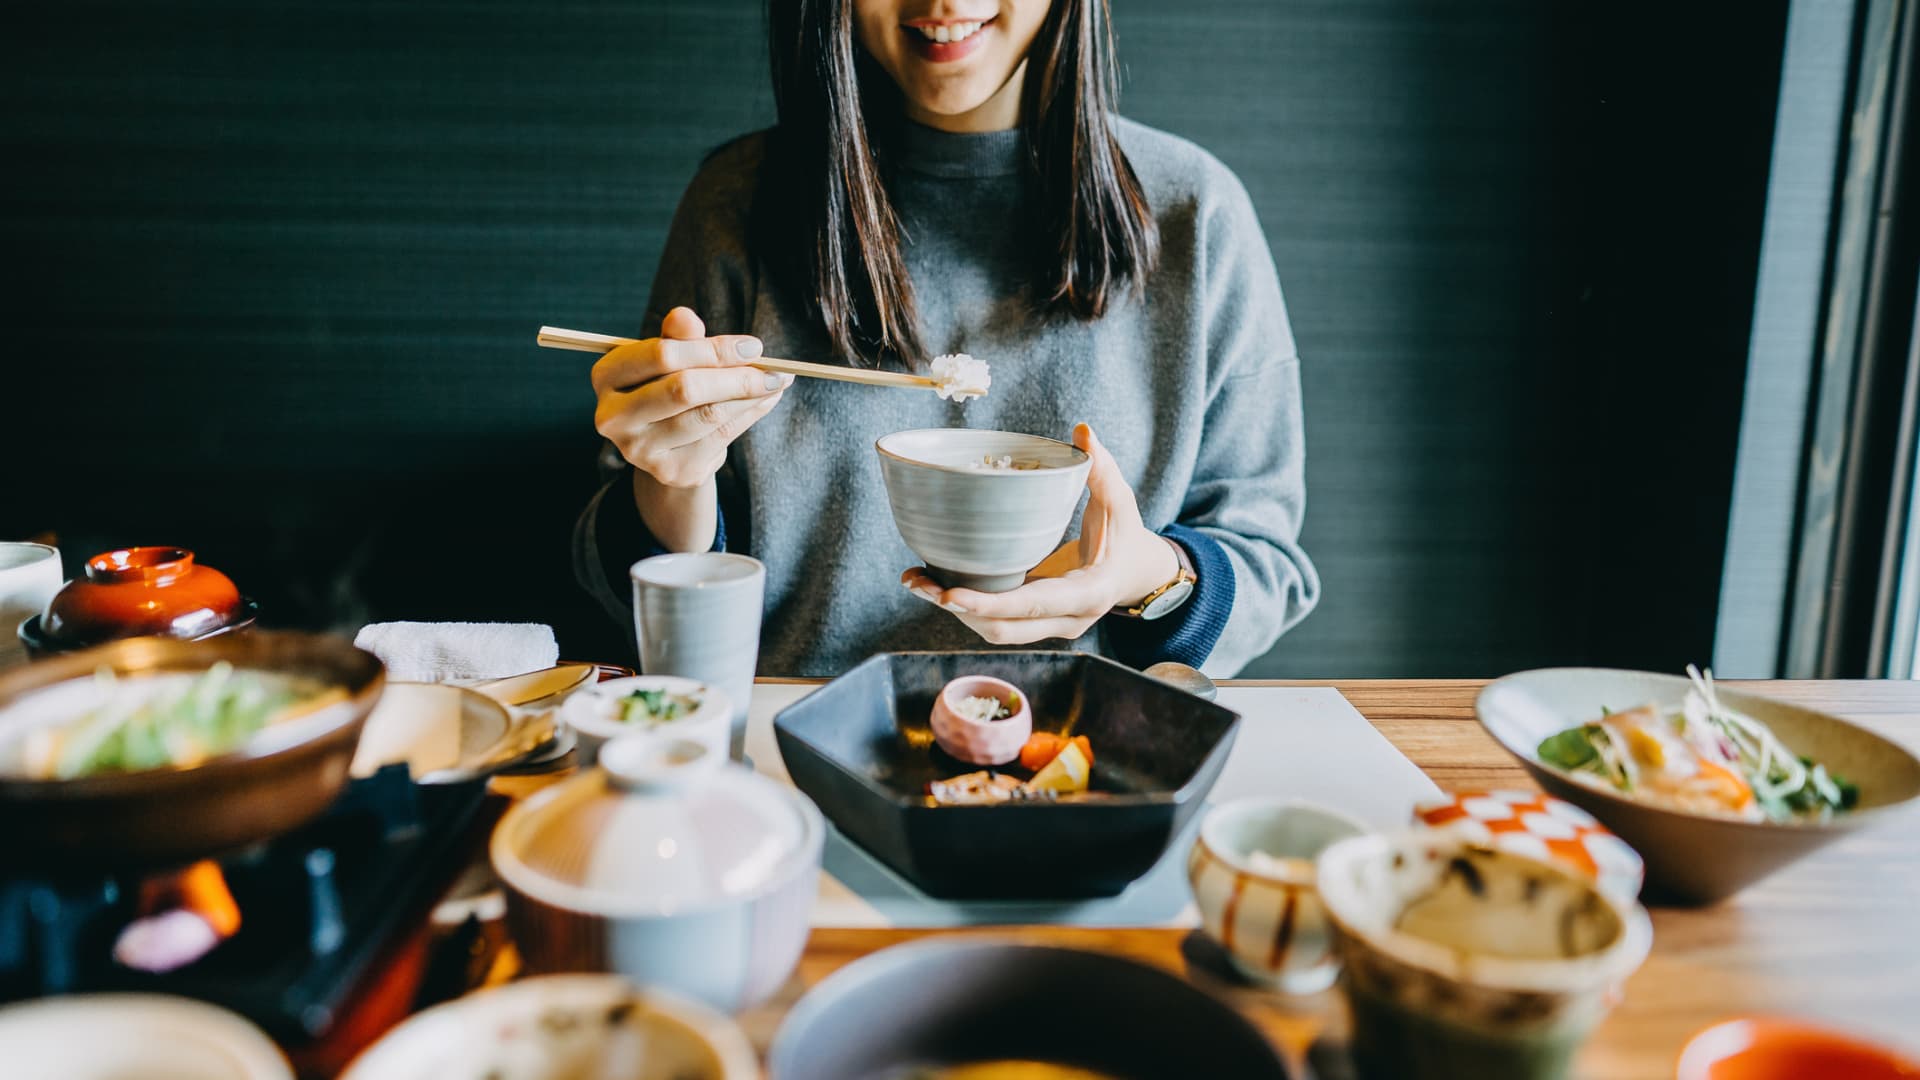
(1540, 827)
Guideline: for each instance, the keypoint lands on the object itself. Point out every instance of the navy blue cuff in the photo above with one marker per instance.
(625, 539)
(1188, 635)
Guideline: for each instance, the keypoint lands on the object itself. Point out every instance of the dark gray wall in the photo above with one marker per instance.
(276, 267)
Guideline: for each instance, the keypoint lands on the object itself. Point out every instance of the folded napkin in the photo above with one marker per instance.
(438, 652)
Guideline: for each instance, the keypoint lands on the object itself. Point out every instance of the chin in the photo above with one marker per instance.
(951, 100)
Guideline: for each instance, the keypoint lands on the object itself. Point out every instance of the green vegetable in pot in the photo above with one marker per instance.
(653, 707)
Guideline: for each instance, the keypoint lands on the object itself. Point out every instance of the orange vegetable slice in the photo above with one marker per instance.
(1086, 747)
(1041, 748)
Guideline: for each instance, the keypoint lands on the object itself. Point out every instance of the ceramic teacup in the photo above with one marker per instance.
(1252, 872)
(697, 615)
(1463, 962)
(29, 576)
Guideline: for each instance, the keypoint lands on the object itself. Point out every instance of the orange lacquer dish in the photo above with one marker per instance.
(1764, 1048)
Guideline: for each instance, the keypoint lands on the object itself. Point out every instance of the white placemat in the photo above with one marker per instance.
(1300, 742)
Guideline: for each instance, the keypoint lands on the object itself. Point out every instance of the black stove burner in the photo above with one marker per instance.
(317, 906)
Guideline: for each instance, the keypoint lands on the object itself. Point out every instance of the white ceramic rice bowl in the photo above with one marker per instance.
(980, 528)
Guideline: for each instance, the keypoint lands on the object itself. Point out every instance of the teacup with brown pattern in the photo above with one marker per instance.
(1252, 871)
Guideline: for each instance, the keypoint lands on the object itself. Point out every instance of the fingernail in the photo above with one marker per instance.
(775, 382)
(748, 347)
(955, 608)
(786, 380)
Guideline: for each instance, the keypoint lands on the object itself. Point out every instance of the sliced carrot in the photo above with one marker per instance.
(1734, 789)
(1086, 747)
(1041, 748)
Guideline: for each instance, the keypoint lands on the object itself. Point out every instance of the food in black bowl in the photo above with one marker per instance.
(862, 747)
(958, 1009)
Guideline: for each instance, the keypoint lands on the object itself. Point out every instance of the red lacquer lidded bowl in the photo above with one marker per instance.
(136, 592)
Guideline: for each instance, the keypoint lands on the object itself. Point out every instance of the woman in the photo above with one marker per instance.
(946, 176)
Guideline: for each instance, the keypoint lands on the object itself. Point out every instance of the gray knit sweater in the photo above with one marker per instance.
(1195, 389)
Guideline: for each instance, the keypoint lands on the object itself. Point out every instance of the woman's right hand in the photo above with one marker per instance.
(673, 404)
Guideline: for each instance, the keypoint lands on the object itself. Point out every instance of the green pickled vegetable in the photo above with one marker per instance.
(653, 707)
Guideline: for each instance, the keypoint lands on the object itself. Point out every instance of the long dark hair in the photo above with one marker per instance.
(824, 226)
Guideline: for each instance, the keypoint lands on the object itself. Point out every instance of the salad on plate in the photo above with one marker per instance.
(1702, 757)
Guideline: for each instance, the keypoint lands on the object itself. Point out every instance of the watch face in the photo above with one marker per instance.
(1168, 602)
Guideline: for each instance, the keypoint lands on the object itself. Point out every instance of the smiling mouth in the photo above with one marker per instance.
(947, 33)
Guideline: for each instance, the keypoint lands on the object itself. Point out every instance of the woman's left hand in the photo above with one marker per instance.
(1116, 561)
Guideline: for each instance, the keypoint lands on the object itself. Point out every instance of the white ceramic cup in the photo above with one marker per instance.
(1266, 913)
(697, 616)
(29, 576)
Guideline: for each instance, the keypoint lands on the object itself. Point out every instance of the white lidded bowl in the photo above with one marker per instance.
(980, 528)
(668, 865)
(594, 714)
(555, 1027)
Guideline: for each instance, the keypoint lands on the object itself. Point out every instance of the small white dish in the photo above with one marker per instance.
(594, 714)
(445, 734)
(116, 1036)
(556, 1027)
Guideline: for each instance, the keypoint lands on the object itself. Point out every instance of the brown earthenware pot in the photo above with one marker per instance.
(171, 816)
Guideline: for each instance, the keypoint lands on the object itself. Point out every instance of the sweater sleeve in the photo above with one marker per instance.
(704, 266)
(1189, 634)
(1248, 490)
(610, 538)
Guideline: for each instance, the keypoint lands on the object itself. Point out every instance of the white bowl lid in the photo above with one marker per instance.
(662, 825)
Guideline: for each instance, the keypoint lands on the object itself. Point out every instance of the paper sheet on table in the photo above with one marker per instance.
(1299, 742)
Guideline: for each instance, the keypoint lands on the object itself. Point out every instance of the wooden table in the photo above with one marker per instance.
(1834, 938)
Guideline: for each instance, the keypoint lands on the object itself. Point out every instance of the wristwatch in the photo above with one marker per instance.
(1168, 598)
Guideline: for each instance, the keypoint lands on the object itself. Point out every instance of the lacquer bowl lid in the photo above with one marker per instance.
(137, 592)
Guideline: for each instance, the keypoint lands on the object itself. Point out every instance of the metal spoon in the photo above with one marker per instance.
(1184, 677)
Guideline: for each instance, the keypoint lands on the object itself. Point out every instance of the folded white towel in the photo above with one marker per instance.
(437, 652)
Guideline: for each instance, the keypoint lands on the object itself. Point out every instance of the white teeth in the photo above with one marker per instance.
(952, 33)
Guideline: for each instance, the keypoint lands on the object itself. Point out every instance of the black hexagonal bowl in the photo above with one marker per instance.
(861, 747)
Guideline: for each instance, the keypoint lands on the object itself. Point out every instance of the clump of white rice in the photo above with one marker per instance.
(1271, 865)
(980, 710)
(1002, 463)
(960, 377)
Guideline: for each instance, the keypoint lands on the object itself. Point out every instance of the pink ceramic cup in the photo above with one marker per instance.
(992, 742)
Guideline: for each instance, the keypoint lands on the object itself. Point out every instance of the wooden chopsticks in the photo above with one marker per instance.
(554, 337)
